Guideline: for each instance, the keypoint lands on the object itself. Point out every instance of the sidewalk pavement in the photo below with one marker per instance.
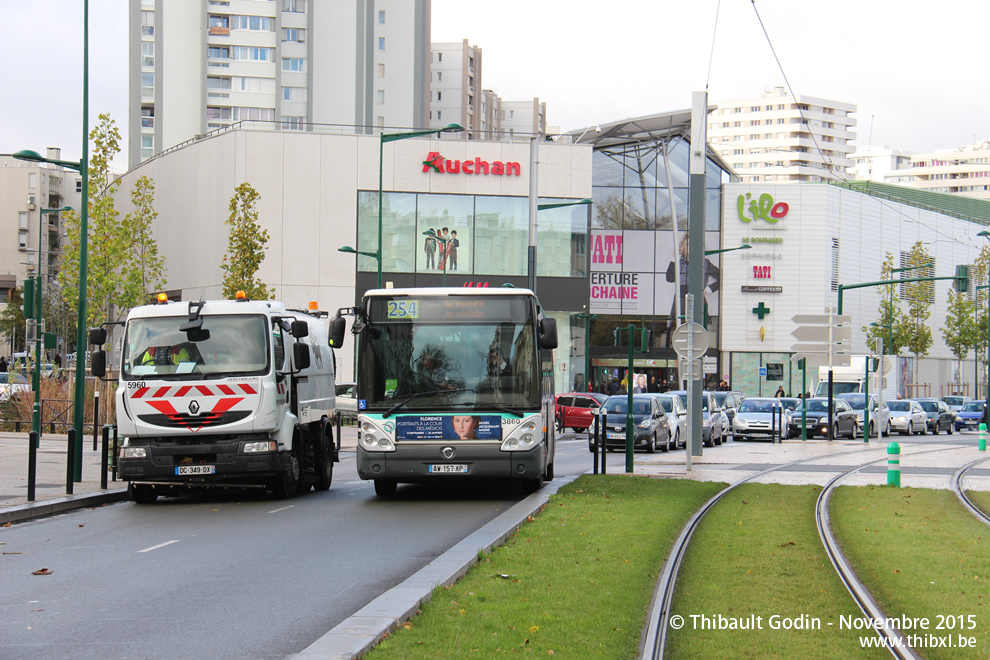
(50, 495)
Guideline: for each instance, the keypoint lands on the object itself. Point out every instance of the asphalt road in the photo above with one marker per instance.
(238, 576)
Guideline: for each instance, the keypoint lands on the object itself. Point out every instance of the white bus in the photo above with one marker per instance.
(452, 384)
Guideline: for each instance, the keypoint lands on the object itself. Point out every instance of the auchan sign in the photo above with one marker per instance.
(436, 163)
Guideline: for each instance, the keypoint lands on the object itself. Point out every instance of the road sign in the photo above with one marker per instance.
(821, 319)
(886, 365)
(763, 372)
(821, 359)
(679, 338)
(818, 333)
(688, 371)
(822, 347)
(709, 364)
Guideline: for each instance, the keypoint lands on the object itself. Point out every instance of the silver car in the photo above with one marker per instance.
(677, 417)
(907, 417)
(346, 395)
(879, 415)
(759, 418)
(13, 386)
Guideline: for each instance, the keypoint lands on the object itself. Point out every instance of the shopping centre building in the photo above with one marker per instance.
(597, 269)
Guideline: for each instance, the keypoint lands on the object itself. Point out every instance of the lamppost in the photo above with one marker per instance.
(393, 137)
(532, 232)
(36, 416)
(986, 235)
(744, 246)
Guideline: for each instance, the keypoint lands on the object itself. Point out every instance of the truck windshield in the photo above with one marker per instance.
(838, 387)
(434, 352)
(236, 345)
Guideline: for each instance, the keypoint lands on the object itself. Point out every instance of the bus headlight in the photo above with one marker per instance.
(525, 437)
(375, 442)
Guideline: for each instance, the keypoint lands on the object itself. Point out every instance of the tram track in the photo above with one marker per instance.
(957, 478)
(655, 634)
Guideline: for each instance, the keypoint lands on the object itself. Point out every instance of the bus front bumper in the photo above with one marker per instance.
(414, 463)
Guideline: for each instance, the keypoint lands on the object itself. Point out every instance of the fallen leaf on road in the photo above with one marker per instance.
(43, 571)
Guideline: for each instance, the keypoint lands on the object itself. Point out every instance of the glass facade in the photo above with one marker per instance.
(470, 234)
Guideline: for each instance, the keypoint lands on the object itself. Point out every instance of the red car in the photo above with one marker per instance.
(577, 409)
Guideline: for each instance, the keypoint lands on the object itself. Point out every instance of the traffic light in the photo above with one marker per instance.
(646, 340)
(802, 364)
(962, 279)
(28, 305)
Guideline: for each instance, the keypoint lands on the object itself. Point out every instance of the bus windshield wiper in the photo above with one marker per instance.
(409, 398)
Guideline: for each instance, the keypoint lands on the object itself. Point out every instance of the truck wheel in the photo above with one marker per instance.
(287, 484)
(385, 487)
(142, 494)
(324, 464)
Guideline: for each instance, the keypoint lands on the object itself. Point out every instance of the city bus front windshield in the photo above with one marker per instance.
(430, 359)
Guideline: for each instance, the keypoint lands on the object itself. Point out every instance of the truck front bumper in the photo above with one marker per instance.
(223, 461)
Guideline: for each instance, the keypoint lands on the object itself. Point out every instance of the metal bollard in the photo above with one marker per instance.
(894, 465)
(105, 457)
(593, 433)
(69, 460)
(983, 436)
(603, 445)
(32, 463)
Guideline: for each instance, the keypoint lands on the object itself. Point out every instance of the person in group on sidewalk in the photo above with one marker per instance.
(3, 364)
(723, 386)
(780, 392)
(614, 387)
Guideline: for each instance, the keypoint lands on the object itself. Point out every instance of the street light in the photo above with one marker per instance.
(393, 137)
(36, 416)
(744, 246)
(986, 235)
(531, 260)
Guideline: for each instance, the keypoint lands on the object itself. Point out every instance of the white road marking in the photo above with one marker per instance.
(282, 508)
(160, 545)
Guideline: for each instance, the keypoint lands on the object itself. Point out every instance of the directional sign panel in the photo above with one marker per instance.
(689, 371)
(679, 338)
(842, 333)
(821, 319)
(822, 359)
(822, 347)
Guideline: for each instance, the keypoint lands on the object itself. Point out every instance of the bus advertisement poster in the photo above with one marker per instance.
(448, 427)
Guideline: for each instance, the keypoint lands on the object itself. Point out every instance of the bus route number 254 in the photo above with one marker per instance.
(403, 309)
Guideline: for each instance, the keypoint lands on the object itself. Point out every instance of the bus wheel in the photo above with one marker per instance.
(142, 494)
(530, 486)
(385, 487)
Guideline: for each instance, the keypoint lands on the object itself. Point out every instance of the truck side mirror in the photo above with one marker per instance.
(335, 332)
(98, 336)
(98, 361)
(300, 356)
(300, 329)
(548, 333)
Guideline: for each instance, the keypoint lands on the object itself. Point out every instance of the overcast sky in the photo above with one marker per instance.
(915, 70)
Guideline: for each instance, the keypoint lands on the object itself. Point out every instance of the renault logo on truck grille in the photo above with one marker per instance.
(447, 452)
(194, 407)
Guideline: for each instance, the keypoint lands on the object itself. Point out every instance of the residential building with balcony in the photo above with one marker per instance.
(456, 92)
(963, 171)
(882, 165)
(199, 66)
(777, 137)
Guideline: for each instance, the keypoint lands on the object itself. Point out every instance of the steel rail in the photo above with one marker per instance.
(963, 497)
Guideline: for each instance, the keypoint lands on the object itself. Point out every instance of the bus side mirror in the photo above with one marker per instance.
(548, 333)
(335, 332)
(300, 356)
(98, 362)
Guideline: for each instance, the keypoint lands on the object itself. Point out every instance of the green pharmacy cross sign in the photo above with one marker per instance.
(761, 310)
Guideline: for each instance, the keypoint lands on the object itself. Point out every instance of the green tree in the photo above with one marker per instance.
(892, 324)
(245, 248)
(978, 276)
(145, 268)
(12, 318)
(919, 296)
(959, 332)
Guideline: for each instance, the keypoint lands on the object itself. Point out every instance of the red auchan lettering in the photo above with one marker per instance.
(434, 161)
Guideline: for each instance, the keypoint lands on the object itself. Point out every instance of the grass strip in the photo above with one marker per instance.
(575, 580)
(756, 560)
(981, 499)
(922, 555)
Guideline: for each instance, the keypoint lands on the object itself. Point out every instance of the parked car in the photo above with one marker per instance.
(879, 415)
(577, 410)
(969, 415)
(907, 417)
(728, 401)
(759, 418)
(789, 403)
(652, 429)
(12, 386)
(937, 416)
(844, 419)
(677, 417)
(346, 394)
(955, 403)
(713, 427)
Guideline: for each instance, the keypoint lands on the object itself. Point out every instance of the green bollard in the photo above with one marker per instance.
(894, 465)
(983, 436)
